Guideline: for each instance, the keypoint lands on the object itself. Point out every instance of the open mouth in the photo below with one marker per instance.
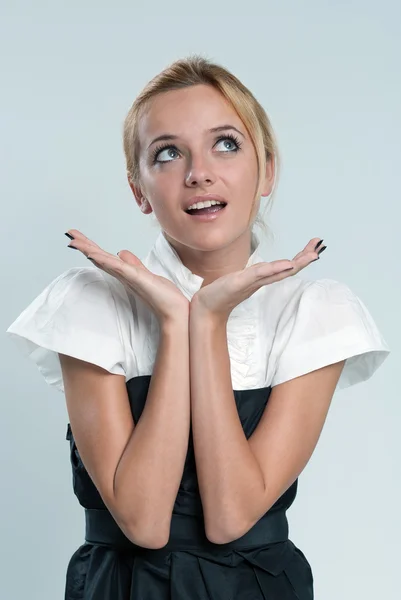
(215, 208)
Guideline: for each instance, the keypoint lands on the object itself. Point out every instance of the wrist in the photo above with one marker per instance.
(201, 316)
(174, 324)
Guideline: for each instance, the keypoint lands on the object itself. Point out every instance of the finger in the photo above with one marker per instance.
(267, 280)
(106, 261)
(309, 249)
(281, 269)
(80, 237)
(269, 269)
(130, 258)
(94, 252)
(113, 265)
(279, 277)
(85, 245)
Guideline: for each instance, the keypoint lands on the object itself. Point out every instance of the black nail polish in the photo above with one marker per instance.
(70, 236)
(90, 258)
(316, 259)
(73, 247)
(318, 244)
(322, 249)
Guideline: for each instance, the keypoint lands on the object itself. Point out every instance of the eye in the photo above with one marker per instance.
(231, 143)
(166, 150)
(170, 152)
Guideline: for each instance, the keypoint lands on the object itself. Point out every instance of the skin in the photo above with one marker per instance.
(217, 250)
(198, 166)
(239, 479)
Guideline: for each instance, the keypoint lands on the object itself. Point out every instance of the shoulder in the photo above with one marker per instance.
(294, 293)
(72, 284)
(319, 322)
(84, 288)
(81, 313)
(293, 288)
(282, 298)
(76, 276)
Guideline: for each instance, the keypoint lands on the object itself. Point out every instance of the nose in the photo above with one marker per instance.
(199, 174)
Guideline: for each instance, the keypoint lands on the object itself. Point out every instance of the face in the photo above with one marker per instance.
(195, 158)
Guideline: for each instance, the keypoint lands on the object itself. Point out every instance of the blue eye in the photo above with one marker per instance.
(169, 149)
(232, 140)
(159, 150)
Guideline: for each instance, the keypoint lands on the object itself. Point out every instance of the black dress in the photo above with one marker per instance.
(261, 565)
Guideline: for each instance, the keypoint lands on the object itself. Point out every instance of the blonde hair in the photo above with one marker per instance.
(196, 70)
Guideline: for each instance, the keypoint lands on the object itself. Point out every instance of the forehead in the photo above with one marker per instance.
(186, 111)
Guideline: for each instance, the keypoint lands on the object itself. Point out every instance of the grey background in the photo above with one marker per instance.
(329, 76)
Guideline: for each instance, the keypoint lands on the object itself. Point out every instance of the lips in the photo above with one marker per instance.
(203, 198)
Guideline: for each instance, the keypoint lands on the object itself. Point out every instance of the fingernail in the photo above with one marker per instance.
(70, 236)
(90, 258)
(322, 249)
(316, 259)
(318, 244)
(73, 247)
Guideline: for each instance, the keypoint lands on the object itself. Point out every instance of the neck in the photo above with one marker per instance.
(212, 264)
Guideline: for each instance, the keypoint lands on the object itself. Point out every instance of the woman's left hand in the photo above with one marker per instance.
(219, 298)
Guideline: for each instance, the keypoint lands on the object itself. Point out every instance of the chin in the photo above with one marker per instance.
(207, 241)
(205, 238)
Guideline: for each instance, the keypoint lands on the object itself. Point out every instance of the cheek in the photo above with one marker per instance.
(162, 189)
(242, 175)
(170, 173)
(159, 184)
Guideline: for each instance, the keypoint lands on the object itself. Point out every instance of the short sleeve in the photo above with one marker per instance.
(327, 323)
(74, 315)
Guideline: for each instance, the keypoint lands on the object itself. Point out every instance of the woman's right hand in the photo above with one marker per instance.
(160, 294)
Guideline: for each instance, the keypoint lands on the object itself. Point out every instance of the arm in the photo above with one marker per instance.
(136, 469)
(240, 479)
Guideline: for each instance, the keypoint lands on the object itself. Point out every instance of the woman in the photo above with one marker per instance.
(197, 380)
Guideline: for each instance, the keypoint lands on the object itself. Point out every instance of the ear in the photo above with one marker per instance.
(269, 177)
(143, 204)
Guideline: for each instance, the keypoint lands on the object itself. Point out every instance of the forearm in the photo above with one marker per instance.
(150, 470)
(228, 473)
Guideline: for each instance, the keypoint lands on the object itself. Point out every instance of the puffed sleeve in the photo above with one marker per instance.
(322, 324)
(74, 315)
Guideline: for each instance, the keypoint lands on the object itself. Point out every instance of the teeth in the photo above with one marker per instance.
(205, 204)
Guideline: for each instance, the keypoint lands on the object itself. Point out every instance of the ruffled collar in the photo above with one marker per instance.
(176, 271)
(243, 330)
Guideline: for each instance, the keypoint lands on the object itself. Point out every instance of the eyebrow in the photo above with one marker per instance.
(170, 136)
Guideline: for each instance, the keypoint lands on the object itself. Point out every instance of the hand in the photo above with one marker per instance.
(222, 295)
(161, 295)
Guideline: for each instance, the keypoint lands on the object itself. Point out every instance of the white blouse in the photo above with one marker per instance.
(284, 330)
